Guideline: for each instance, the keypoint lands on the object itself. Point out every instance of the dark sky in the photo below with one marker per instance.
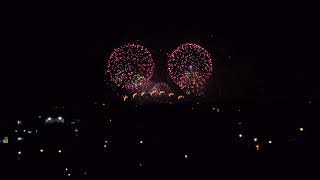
(55, 52)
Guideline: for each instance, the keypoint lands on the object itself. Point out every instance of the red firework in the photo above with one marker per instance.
(190, 66)
(130, 66)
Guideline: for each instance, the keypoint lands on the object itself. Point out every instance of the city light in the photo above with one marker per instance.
(19, 152)
(60, 118)
(240, 135)
(59, 151)
(186, 156)
(255, 139)
(41, 150)
(141, 141)
(19, 122)
(5, 140)
(20, 138)
(269, 141)
(301, 129)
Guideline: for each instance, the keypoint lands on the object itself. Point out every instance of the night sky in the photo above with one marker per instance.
(56, 52)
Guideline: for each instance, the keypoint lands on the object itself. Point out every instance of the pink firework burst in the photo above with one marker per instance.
(190, 67)
(130, 66)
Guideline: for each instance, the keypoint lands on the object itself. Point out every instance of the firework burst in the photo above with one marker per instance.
(130, 66)
(190, 67)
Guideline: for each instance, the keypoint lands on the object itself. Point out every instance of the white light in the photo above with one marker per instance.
(69, 174)
(103, 104)
(105, 146)
(66, 169)
(240, 135)
(39, 116)
(309, 102)
(141, 141)
(85, 173)
(49, 118)
(19, 122)
(180, 97)
(59, 151)
(36, 130)
(140, 164)
(106, 141)
(255, 139)
(20, 138)
(134, 95)
(162, 92)
(29, 132)
(270, 141)
(60, 118)
(16, 131)
(41, 150)
(186, 156)
(301, 129)
(19, 152)
(24, 130)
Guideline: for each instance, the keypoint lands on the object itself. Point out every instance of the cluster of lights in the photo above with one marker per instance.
(106, 142)
(67, 172)
(190, 66)
(54, 120)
